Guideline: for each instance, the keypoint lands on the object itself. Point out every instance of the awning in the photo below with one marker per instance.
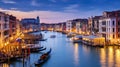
(92, 37)
(78, 36)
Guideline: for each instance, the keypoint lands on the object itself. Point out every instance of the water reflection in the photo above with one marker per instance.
(110, 57)
(103, 57)
(67, 54)
(4, 65)
(76, 53)
(117, 58)
(86, 50)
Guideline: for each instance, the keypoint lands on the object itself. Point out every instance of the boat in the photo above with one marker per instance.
(38, 50)
(45, 31)
(77, 39)
(42, 39)
(43, 58)
(42, 49)
(64, 32)
(69, 35)
(3, 58)
(52, 36)
(34, 48)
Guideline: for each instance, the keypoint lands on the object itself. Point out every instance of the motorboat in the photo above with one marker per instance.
(52, 36)
(77, 39)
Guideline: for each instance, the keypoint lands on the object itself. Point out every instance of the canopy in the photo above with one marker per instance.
(71, 33)
(78, 36)
(92, 37)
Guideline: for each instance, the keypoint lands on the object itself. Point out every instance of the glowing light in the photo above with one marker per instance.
(76, 54)
(22, 35)
(117, 59)
(102, 57)
(110, 57)
(5, 65)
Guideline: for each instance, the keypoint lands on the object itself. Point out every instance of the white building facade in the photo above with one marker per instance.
(107, 29)
(69, 26)
(4, 29)
(78, 29)
(81, 26)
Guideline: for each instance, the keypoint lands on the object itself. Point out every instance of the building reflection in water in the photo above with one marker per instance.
(86, 50)
(76, 53)
(5, 65)
(110, 57)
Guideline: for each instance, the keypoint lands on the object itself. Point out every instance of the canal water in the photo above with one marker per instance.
(67, 54)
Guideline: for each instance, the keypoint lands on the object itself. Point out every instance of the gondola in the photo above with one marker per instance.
(42, 39)
(35, 49)
(45, 31)
(42, 49)
(43, 58)
(38, 50)
(52, 36)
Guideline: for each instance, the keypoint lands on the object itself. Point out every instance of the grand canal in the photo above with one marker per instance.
(68, 54)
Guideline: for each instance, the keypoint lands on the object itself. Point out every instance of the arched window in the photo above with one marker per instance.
(119, 22)
(113, 23)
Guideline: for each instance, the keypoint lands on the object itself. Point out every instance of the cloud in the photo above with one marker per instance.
(13, 8)
(64, 0)
(53, 1)
(51, 16)
(72, 8)
(34, 3)
(8, 1)
(45, 16)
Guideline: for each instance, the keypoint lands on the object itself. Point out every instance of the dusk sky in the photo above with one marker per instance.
(54, 11)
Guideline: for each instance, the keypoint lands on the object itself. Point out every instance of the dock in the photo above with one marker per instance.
(12, 51)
